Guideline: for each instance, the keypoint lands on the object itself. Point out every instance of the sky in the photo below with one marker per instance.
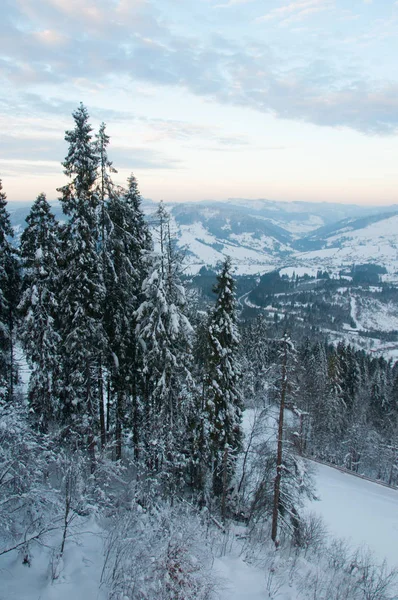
(206, 99)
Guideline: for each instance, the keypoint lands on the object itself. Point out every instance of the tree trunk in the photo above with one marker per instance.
(90, 414)
(108, 406)
(224, 484)
(278, 477)
(11, 323)
(118, 429)
(101, 404)
(135, 416)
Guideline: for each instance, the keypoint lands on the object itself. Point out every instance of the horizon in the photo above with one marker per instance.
(198, 105)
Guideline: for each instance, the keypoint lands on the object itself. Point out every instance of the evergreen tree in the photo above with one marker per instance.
(9, 296)
(316, 372)
(197, 443)
(105, 185)
(128, 246)
(258, 380)
(222, 384)
(380, 407)
(82, 283)
(164, 335)
(350, 374)
(39, 308)
(106, 191)
(335, 407)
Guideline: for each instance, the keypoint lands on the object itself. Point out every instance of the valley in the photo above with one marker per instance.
(328, 269)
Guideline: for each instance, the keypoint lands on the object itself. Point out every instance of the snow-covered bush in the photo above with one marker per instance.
(313, 532)
(158, 554)
(27, 500)
(335, 572)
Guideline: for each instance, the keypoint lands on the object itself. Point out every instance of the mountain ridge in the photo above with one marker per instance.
(261, 235)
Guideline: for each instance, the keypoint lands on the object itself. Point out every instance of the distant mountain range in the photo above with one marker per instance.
(261, 235)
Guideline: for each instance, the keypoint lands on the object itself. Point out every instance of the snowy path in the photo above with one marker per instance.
(242, 300)
(364, 512)
(354, 311)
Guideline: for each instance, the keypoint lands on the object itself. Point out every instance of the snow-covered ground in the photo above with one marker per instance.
(363, 512)
(79, 574)
(376, 242)
(359, 510)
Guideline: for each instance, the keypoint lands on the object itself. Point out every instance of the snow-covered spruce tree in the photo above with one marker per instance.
(256, 362)
(82, 284)
(334, 407)
(9, 296)
(128, 245)
(105, 183)
(164, 334)
(315, 375)
(39, 308)
(105, 190)
(353, 395)
(222, 385)
(198, 442)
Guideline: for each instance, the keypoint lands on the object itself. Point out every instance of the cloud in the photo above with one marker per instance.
(29, 148)
(24, 151)
(125, 157)
(35, 168)
(297, 10)
(93, 43)
(232, 3)
(50, 37)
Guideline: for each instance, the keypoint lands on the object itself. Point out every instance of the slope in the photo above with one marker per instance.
(364, 512)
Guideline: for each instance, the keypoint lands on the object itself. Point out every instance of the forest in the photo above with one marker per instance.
(134, 411)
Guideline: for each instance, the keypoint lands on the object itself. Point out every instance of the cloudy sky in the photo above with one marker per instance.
(279, 99)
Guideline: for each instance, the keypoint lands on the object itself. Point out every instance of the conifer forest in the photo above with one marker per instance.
(163, 421)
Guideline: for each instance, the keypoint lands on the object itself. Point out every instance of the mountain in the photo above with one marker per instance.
(371, 239)
(261, 235)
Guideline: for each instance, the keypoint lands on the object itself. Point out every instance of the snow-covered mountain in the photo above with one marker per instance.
(372, 239)
(261, 235)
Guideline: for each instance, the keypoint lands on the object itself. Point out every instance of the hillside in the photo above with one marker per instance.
(261, 235)
(372, 239)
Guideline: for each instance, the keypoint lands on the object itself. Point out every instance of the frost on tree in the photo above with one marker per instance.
(222, 383)
(83, 290)
(39, 307)
(9, 293)
(164, 335)
(128, 245)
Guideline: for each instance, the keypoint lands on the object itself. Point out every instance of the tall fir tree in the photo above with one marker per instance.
(164, 333)
(83, 289)
(222, 384)
(335, 406)
(9, 297)
(255, 362)
(39, 309)
(128, 246)
(106, 191)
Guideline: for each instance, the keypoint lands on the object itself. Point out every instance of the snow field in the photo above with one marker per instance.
(363, 512)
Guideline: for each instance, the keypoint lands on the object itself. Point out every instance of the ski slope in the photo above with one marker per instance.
(362, 512)
(358, 510)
